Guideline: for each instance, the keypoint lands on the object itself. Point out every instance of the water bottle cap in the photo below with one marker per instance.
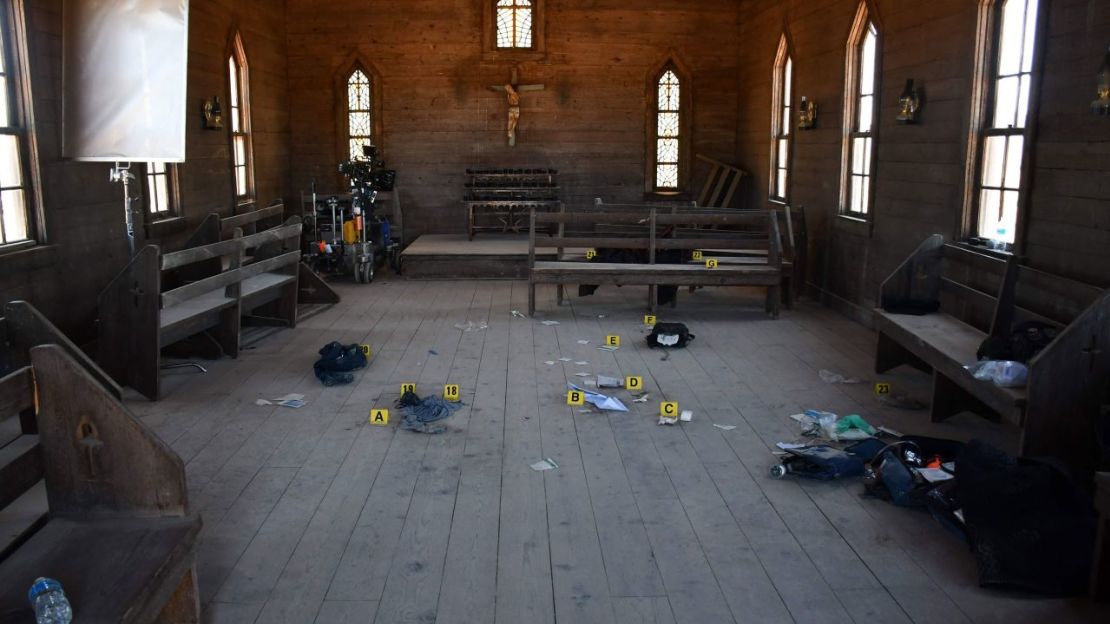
(41, 586)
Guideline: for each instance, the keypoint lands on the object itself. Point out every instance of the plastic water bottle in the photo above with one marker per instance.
(51, 605)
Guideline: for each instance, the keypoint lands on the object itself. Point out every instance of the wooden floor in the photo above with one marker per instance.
(311, 515)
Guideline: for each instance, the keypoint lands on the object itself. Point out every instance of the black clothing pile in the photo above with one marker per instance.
(336, 360)
(1025, 341)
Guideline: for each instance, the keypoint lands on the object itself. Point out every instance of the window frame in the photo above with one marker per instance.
(237, 53)
(866, 19)
(348, 67)
(782, 120)
(685, 127)
(985, 77)
(173, 193)
(538, 51)
(17, 71)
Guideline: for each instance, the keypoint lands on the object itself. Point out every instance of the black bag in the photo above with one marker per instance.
(1025, 341)
(669, 335)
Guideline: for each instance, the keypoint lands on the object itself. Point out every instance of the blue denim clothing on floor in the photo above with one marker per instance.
(420, 413)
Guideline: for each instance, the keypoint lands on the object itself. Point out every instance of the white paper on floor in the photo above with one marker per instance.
(519, 314)
(725, 427)
(550, 362)
(546, 464)
(263, 402)
(663, 420)
(290, 397)
(609, 382)
(607, 348)
(686, 416)
(581, 374)
(642, 398)
(549, 323)
(583, 342)
(581, 363)
(564, 359)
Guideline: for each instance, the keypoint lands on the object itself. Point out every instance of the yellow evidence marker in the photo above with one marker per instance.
(698, 255)
(379, 417)
(649, 320)
(882, 388)
(612, 341)
(365, 350)
(408, 387)
(711, 263)
(591, 254)
(576, 398)
(451, 392)
(633, 383)
(669, 409)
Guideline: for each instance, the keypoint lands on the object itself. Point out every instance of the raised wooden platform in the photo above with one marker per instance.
(488, 256)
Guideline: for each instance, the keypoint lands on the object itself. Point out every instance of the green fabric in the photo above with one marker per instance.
(854, 421)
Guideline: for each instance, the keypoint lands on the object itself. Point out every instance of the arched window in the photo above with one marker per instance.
(668, 130)
(781, 121)
(860, 118)
(1000, 121)
(242, 155)
(360, 112)
(514, 24)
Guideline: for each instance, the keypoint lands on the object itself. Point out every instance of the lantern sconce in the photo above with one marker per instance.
(909, 104)
(1101, 106)
(807, 115)
(213, 114)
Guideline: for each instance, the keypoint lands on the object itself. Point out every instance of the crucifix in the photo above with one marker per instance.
(513, 91)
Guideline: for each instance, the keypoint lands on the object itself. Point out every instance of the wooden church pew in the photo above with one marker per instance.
(118, 535)
(138, 316)
(1057, 407)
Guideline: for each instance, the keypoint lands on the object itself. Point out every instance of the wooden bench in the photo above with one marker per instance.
(312, 290)
(1057, 408)
(23, 327)
(118, 534)
(655, 229)
(138, 315)
(793, 240)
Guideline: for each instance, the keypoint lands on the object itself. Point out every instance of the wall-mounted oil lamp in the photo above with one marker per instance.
(807, 114)
(1101, 106)
(213, 114)
(909, 104)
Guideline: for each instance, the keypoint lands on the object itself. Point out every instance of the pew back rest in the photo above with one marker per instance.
(658, 228)
(969, 284)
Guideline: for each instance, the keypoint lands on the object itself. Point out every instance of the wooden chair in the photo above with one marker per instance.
(118, 535)
(720, 185)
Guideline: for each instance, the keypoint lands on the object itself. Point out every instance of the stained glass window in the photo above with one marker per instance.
(239, 116)
(1001, 151)
(15, 187)
(514, 24)
(668, 131)
(359, 112)
(781, 117)
(860, 115)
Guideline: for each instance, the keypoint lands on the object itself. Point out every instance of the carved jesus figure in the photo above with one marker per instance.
(514, 112)
(512, 92)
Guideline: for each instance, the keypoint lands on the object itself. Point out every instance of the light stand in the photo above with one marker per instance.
(122, 173)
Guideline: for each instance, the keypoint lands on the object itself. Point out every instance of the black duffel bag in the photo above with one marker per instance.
(669, 335)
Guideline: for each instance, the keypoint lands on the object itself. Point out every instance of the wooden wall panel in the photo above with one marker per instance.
(440, 117)
(84, 211)
(920, 169)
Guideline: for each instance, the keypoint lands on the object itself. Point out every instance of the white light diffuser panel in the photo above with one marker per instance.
(124, 76)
